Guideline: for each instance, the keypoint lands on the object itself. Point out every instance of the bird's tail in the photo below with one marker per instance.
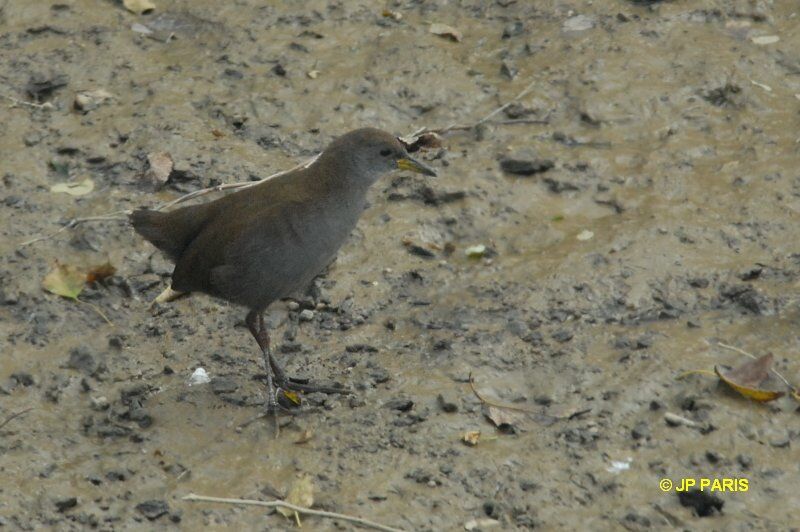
(170, 232)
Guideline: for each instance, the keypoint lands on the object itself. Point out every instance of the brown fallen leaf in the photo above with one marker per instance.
(161, 166)
(422, 141)
(100, 272)
(65, 281)
(448, 32)
(300, 494)
(138, 6)
(388, 13)
(471, 437)
(750, 379)
(91, 99)
(505, 420)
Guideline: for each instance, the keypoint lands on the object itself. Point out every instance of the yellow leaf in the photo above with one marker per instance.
(65, 281)
(300, 494)
(749, 378)
(74, 189)
(138, 6)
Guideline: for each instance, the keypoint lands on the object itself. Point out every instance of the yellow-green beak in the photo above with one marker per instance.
(412, 165)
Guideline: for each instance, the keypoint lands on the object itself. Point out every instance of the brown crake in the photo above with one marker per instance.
(266, 242)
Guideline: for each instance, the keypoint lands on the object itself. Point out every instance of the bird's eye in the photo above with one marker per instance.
(386, 152)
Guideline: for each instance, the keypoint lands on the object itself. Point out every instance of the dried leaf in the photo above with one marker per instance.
(504, 419)
(749, 379)
(88, 100)
(74, 189)
(160, 167)
(388, 13)
(475, 252)
(300, 494)
(443, 30)
(422, 141)
(481, 524)
(471, 437)
(765, 39)
(63, 280)
(100, 272)
(138, 6)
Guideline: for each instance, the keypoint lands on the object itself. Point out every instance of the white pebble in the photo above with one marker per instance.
(199, 377)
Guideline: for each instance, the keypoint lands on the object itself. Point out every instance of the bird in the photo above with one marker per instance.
(263, 243)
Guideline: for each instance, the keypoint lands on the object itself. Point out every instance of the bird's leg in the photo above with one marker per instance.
(289, 383)
(255, 322)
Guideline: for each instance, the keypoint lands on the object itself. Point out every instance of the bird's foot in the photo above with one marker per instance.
(289, 385)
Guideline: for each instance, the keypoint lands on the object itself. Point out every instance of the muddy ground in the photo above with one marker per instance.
(667, 223)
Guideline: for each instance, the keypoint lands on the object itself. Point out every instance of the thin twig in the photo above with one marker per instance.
(697, 372)
(246, 184)
(19, 103)
(745, 353)
(75, 222)
(290, 506)
(14, 416)
(96, 309)
(466, 127)
(231, 186)
(514, 121)
(489, 402)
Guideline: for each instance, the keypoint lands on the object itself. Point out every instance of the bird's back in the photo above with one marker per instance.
(258, 244)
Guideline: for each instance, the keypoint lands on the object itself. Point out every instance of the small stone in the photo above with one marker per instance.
(153, 509)
(220, 385)
(513, 29)
(380, 375)
(293, 305)
(420, 251)
(447, 404)
(402, 404)
(526, 167)
(746, 461)
(562, 336)
(780, 442)
(100, 403)
(117, 475)
(640, 431)
(23, 378)
(508, 70)
(306, 315)
(67, 503)
(579, 23)
(199, 376)
(703, 503)
(82, 360)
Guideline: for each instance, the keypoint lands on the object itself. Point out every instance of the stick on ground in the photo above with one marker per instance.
(232, 186)
(299, 509)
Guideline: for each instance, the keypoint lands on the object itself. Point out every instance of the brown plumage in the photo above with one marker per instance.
(268, 241)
